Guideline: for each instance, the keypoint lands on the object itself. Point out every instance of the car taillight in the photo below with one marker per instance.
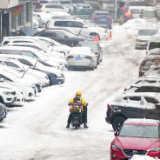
(108, 105)
(146, 52)
(123, 8)
(95, 18)
(40, 10)
(109, 19)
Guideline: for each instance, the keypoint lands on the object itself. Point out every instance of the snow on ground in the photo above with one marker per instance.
(139, 23)
(37, 130)
(136, 157)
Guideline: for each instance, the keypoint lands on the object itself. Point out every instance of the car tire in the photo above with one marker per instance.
(117, 122)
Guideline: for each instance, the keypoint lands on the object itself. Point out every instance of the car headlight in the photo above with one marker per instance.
(154, 150)
(116, 147)
(7, 93)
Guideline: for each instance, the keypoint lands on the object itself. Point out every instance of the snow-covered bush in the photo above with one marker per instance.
(136, 157)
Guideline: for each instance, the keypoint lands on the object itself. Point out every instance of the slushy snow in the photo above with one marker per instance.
(136, 157)
(141, 24)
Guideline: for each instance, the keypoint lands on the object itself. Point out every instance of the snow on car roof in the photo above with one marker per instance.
(152, 94)
(146, 122)
(146, 84)
(80, 50)
(147, 78)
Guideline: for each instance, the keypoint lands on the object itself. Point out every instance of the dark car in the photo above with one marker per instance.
(95, 47)
(102, 18)
(61, 36)
(133, 105)
(3, 112)
(124, 4)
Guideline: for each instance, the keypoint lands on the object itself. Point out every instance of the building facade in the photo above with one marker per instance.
(14, 14)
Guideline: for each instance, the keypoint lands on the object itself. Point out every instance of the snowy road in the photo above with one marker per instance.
(37, 130)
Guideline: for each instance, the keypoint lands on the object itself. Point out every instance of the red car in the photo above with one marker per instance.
(136, 137)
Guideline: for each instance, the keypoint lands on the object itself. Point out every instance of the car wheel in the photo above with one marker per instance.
(117, 122)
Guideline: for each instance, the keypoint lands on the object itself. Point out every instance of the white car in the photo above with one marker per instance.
(19, 92)
(42, 18)
(27, 87)
(55, 76)
(25, 71)
(143, 37)
(153, 53)
(82, 57)
(83, 27)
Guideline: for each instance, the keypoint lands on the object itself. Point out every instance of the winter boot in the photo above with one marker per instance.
(85, 125)
(68, 125)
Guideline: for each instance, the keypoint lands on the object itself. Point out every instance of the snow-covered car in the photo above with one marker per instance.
(19, 93)
(153, 52)
(25, 71)
(147, 63)
(154, 72)
(42, 18)
(143, 37)
(83, 27)
(35, 23)
(82, 57)
(81, 8)
(31, 52)
(55, 76)
(3, 112)
(49, 7)
(96, 48)
(132, 105)
(27, 87)
(67, 5)
(138, 139)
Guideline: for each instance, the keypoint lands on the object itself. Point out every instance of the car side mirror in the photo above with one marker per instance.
(1, 79)
(116, 133)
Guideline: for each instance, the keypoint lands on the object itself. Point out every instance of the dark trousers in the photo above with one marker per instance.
(84, 116)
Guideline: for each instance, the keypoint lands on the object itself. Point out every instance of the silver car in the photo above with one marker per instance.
(82, 57)
(42, 18)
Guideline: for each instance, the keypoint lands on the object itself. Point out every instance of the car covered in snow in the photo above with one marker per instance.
(136, 137)
(144, 36)
(82, 57)
(132, 105)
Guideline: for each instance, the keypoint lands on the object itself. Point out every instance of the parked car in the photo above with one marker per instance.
(49, 7)
(62, 37)
(80, 26)
(153, 52)
(81, 8)
(42, 18)
(143, 37)
(153, 43)
(132, 105)
(95, 47)
(55, 76)
(137, 136)
(83, 57)
(67, 4)
(25, 71)
(102, 18)
(147, 63)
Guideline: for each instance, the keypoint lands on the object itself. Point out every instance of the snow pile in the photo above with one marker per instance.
(141, 23)
(136, 157)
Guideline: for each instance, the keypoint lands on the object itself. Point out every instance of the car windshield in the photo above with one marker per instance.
(154, 45)
(149, 13)
(149, 63)
(65, 2)
(147, 32)
(91, 45)
(77, 1)
(46, 16)
(139, 131)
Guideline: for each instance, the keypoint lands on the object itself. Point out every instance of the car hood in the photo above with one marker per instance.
(4, 89)
(24, 81)
(143, 38)
(10, 87)
(136, 143)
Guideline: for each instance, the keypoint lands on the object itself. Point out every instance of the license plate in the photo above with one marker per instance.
(79, 58)
(103, 19)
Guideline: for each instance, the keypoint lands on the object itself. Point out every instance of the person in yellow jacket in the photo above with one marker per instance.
(84, 109)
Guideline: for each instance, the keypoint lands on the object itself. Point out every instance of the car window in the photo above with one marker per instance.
(45, 34)
(11, 64)
(38, 7)
(78, 25)
(134, 99)
(6, 42)
(150, 100)
(28, 53)
(148, 89)
(154, 45)
(23, 61)
(54, 6)
(63, 23)
(5, 78)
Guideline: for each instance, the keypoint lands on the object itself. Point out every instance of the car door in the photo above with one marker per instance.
(134, 107)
